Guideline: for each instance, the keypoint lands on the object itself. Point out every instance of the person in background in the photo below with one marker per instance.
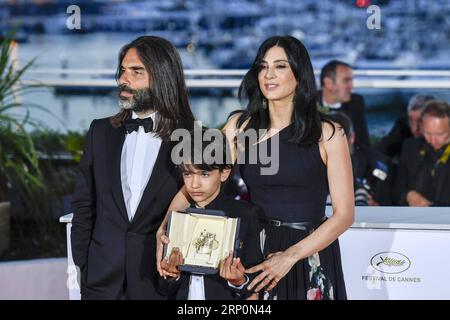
(424, 171)
(405, 127)
(372, 170)
(336, 80)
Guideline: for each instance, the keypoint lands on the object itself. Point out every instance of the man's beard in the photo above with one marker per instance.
(141, 101)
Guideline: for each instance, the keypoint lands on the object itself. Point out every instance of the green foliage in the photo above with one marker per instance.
(37, 167)
(54, 144)
(19, 166)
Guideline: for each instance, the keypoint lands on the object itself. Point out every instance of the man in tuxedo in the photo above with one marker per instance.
(336, 80)
(127, 178)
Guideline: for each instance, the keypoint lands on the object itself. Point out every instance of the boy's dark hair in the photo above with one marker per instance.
(217, 155)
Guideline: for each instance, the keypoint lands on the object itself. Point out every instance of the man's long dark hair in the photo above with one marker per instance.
(307, 120)
(167, 85)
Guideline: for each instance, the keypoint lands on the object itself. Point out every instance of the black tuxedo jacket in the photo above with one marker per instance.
(216, 288)
(355, 110)
(111, 251)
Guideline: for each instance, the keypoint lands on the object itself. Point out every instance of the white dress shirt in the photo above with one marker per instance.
(331, 106)
(139, 154)
(196, 288)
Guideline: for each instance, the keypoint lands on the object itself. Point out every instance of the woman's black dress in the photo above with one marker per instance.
(296, 193)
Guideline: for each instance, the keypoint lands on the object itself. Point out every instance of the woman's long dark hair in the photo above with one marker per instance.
(167, 85)
(307, 120)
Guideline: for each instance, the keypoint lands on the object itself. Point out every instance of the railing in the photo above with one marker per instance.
(214, 78)
(241, 72)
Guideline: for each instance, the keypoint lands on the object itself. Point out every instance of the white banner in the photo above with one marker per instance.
(390, 253)
(395, 264)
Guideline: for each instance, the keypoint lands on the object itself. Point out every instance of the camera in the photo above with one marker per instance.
(362, 191)
(380, 171)
(369, 185)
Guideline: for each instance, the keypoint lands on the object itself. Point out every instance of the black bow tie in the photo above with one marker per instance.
(133, 124)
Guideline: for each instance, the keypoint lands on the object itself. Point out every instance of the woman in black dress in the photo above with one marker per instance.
(302, 250)
(300, 245)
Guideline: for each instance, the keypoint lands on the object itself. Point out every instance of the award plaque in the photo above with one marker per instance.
(204, 237)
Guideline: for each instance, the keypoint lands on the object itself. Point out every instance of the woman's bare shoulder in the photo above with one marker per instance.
(331, 131)
(333, 138)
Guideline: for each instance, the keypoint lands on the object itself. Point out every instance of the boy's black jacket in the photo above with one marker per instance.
(216, 288)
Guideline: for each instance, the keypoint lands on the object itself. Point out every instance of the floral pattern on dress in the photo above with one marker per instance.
(320, 286)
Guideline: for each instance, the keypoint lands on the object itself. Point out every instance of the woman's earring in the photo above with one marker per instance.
(264, 104)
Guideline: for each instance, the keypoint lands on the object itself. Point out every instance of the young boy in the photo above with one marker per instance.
(204, 182)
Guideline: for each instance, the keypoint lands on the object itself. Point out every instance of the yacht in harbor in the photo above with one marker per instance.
(225, 35)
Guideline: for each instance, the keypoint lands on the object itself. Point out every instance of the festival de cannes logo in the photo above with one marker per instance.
(390, 262)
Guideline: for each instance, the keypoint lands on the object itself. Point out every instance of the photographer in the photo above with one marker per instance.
(424, 172)
(405, 127)
(371, 169)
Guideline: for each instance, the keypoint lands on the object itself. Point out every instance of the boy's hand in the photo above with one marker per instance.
(232, 270)
(170, 264)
